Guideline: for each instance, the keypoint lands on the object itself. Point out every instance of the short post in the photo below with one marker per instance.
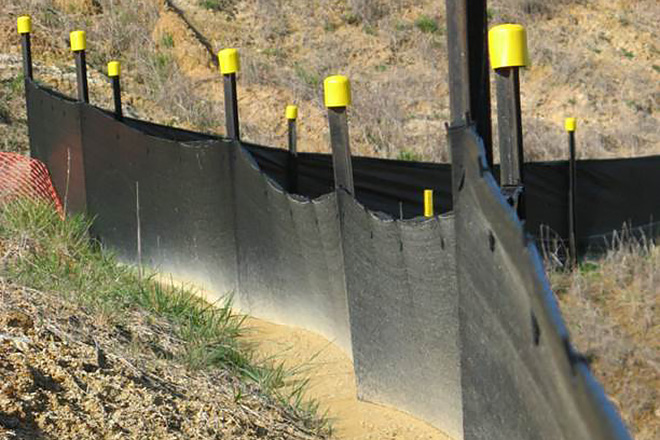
(508, 52)
(114, 71)
(337, 97)
(78, 45)
(24, 28)
(292, 169)
(230, 64)
(428, 203)
(570, 125)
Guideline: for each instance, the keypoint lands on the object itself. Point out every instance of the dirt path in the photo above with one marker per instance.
(332, 383)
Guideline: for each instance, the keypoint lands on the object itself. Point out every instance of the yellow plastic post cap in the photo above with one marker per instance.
(24, 24)
(337, 91)
(114, 68)
(229, 61)
(428, 203)
(570, 124)
(78, 40)
(292, 112)
(507, 45)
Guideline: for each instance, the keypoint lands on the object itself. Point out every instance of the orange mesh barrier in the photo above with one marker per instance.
(24, 177)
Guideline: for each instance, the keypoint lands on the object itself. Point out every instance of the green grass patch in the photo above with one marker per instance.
(427, 24)
(49, 254)
(409, 156)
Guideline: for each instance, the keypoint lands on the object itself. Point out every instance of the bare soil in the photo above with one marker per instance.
(66, 373)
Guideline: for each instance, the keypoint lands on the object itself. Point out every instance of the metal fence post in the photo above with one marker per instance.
(570, 125)
(230, 64)
(337, 97)
(508, 52)
(78, 45)
(292, 168)
(24, 24)
(114, 72)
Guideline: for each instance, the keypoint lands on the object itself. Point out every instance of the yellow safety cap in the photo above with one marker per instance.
(337, 91)
(570, 124)
(428, 203)
(507, 46)
(114, 68)
(24, 24)
(78, 40)
(292, 112)
(229, 61)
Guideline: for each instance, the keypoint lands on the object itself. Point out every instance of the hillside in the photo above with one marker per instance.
(594, 59)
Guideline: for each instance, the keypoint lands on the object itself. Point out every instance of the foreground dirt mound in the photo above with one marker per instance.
(68, 374)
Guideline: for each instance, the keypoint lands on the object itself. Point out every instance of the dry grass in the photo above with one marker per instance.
(611, 306)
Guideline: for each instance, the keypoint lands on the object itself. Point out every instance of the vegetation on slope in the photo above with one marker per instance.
(148, 357)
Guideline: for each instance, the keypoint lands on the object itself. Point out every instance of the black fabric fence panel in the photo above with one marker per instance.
(448, 318)
(403, 307)
(56, 139)
(520, 377)
(610, 193)
(175, 197)
(290, 264)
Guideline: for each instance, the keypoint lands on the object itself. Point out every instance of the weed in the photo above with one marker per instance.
(311, 79)
(408, 155)
(427, 24)
(656, 68)
(167, 40)
(370, 30)
(628, 54)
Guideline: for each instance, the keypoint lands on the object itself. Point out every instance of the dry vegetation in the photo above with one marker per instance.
(91, 349)
(594, 59)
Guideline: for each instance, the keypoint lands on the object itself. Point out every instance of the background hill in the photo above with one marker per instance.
(594, 59)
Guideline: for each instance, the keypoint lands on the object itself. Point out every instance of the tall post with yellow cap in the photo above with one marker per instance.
(78, 41)
(230, 64)
(114, 72)
(337, 97)
(24, 25)
(507, 45)
(570, 126)
(292, 168)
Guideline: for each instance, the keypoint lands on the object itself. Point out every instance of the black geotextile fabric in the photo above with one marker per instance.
(55, 139)
(201, 209)
(174, 195)
(520, 377)
(290, 266)
(403, 309)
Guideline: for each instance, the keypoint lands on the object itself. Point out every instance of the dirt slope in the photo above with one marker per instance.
(66, 373)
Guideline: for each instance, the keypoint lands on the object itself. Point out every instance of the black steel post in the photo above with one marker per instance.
(27, 56)
(24, 28)
(78, 45)
(337, 97)
(292, 164)
(477, 35)
(457, 55)
(508, 53)
(81, 76)
(341, 151)
(116, 93)
(572, 181)
(509, 122)
(231, 107)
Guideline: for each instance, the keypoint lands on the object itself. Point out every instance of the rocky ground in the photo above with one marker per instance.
(66, 373)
